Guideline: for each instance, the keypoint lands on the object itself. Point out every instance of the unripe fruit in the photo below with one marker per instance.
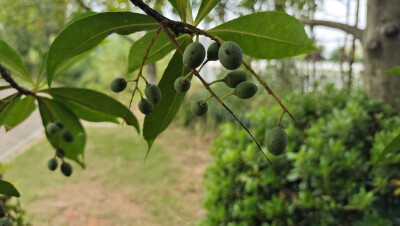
(212, 51)
(66, 169)
(145, 106)
(118, 85)
(60, 152)
(60, 124)
(153, 94)
(67, 136)
(52, 128)
(182, 86)
(198, 108)
(245, 90)
(52, 164)
(233, 78)
(276, 141)
(194, 55)
(230, 55)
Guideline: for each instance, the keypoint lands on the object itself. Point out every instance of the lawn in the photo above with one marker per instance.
(117, 187)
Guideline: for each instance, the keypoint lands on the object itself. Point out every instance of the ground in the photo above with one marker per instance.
(117, 187)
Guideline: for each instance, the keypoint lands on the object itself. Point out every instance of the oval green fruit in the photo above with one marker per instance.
(67, 136)
(145, 106)
(118, 85)
(60, 152)
(66, 169)
(153, 94)
(233, 78)
(52, 164)
(194, 55)
(245, 90)
(181, 87)
(52, 128)
(212, 51)
(276, 141)
(198, 108)
(230, 55)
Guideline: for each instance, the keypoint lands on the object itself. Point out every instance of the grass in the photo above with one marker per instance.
(116, 177)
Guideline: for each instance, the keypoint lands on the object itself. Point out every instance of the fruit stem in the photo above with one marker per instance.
(197, 37)
(205, 100)
(227, 95)
(218, 80)
(140, 92)
(132, 80)
(187, 76)
(280, 118)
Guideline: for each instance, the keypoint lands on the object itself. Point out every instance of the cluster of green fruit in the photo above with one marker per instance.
(57, 129)
(231, 57)
(152, 93)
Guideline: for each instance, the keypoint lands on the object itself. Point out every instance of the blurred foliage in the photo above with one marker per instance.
(334, 178)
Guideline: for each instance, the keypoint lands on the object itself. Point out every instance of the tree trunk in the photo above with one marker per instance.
(381, 44)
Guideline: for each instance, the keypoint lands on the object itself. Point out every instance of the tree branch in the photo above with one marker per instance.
(357, 33)
(7, 76)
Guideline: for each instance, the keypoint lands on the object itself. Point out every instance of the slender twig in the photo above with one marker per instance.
(140, 72)
(227, 95)
(205, 100)
(7, 76)
(280, 118)
(205, 84)
(218, 80)
(270, 92)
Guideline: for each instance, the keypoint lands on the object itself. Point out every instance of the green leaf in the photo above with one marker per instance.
(392, 147)
(266, 35)
(80, 16)
(51, 111)
(165, 111)
(205, 8)
(93, 106)
(180, 6)
(86, 33)
(11, 60)
(20, 111)
(4, 87)
(6, 188)
(395, 70)
(161, 47)
(6, 106)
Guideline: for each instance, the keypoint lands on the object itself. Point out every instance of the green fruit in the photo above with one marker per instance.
(182, 87)
(60, 124)
(66, 169)
(230, 55)
(60, 152)
(212, 51)
(194, 55)
(67, 136)
(276, 141)
(145, 106)
(153, 94)
(52, 164)
(198, 108)
(52, 128)
(233, 78)
(118, 85)
(245, 90)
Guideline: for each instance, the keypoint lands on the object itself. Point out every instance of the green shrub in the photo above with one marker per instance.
(334, 178)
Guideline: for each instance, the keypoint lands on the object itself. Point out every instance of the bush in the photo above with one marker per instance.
(334, 178)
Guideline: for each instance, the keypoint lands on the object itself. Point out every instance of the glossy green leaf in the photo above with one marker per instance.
(395, 70)
(266, 35)
(205, 8)
(180, 6)
(165, 111)
(392, 147)
(160, 48)
(86, 33)
(80, 16)
(20, 111)
(11, 60)
(6, 106)
(93, 106)
(51, 111)
(6, 188)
